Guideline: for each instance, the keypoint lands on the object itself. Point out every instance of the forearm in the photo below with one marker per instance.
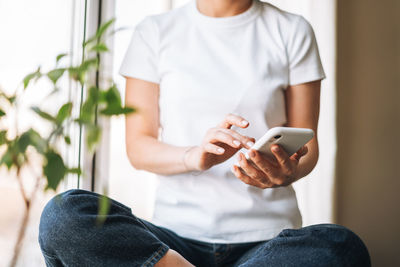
(149, 154)
(308, 162)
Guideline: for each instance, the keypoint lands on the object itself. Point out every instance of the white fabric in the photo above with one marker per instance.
(208, 67)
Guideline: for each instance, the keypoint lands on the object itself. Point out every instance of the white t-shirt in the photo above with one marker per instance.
(208, 67)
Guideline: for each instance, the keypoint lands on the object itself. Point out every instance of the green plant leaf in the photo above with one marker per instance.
(113, 110)
(100, 31)
(37, 141)
(79, 73)
(93, 94)
(2, 113)
(104, 27)
(21, 158)
(63, 113)
(31, 138)
(112, 99)
(101, 47)
(67, 140)
(77, 171)
(111, 96)
(55, 74)
(89, 106)
(87, 64)
(83, 121)
(3, 137)
(23, 142)
(93, 134)
(74, 73)
(104, 208)
(60, 56)
(43, 114)
(10, 99)
(6, 158)
(29, 77)
(87, 112)
(54, 169)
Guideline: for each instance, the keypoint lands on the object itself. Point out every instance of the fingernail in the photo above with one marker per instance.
(250, 144)
(236, 142)
(252, 154)
(244, 122)
(220, 150)
(276, 148)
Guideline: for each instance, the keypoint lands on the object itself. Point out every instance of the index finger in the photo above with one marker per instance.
(281, 156)
(300, 153)
(232, 119)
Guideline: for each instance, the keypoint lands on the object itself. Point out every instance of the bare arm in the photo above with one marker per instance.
(302, 110)
(146, 152)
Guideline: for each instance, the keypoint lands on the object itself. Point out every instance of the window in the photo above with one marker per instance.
(33, 33)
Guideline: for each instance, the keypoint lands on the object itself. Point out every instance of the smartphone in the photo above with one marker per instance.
(289, 138)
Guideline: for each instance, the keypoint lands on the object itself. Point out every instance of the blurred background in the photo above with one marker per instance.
(357, 178)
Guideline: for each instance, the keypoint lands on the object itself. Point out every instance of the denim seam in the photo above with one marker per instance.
(266, 254)
(156, 256)
(48, 255)
(43, 251)
(121, 205)
(226, 254)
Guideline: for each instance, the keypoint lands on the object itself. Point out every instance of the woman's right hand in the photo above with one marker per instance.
(219, 144)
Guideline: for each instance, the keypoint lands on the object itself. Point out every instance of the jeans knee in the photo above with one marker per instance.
(344, 242)
(57, 208)
(57, 218)
(335, 233)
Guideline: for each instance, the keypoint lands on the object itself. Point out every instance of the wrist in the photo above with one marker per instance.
(189, 159)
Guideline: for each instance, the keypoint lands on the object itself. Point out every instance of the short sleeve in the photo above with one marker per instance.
(304, 59)
(141, 58)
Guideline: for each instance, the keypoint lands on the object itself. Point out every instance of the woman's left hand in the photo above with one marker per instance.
(266, 172)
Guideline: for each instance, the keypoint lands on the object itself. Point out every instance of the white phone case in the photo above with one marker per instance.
(291, 139)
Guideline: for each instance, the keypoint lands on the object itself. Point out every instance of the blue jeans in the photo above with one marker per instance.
(69, 237)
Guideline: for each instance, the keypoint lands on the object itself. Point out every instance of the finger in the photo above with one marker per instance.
(215, 135)
(282, 157)
(214, 149)
(246, 141)
(262, 163)
(300, 153)
(232, 119)
(268, 168)
(251, 170)
(245, 178)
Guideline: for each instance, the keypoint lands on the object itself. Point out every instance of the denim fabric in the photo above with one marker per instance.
(68, 236)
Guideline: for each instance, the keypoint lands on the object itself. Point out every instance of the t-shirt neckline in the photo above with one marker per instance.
(225, 22)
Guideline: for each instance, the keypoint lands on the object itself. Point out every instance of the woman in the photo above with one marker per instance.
(214, 76)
